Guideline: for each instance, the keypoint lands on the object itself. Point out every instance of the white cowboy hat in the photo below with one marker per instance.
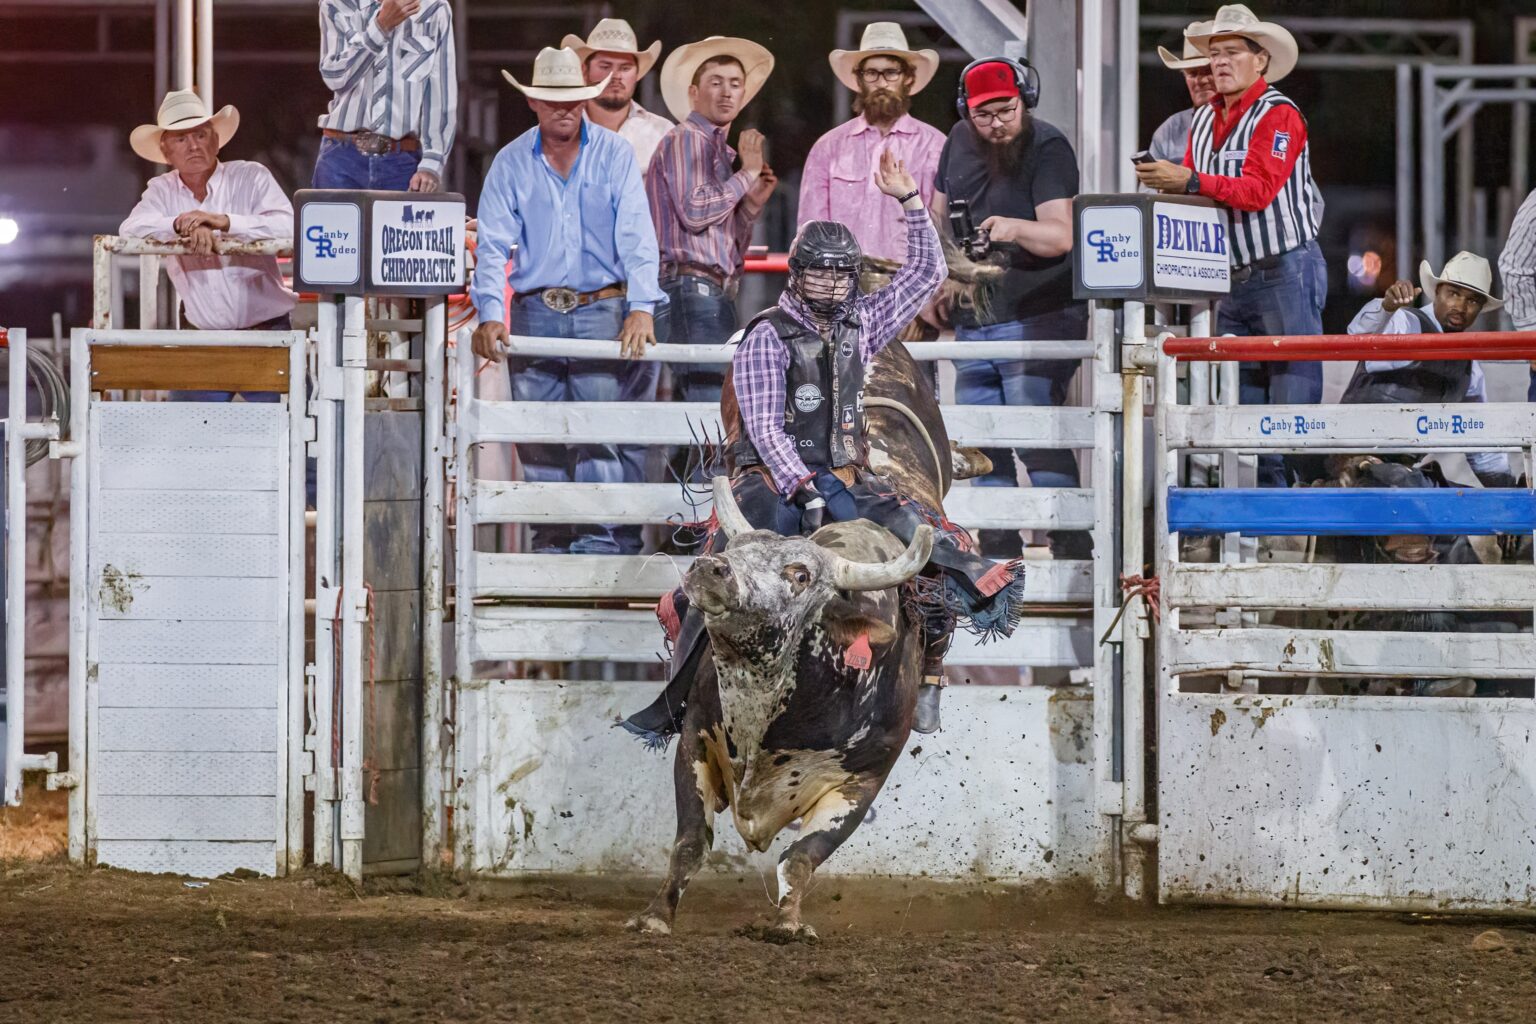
(1193, 56)
(558, 78)
(181, 109)
(614, 35)
(884, 39)
(678, 69)
(1464, 270)
(1238, 20)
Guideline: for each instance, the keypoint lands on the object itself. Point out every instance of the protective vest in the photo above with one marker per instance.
(823, 393)
(1438, 380)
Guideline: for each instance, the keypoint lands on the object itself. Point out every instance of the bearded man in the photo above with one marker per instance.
(838, 182)
(1019, 175)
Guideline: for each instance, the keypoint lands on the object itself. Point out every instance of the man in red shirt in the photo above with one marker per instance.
(1248, 151)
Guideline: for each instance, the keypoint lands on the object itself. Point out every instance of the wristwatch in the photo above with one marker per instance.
(1192, 186)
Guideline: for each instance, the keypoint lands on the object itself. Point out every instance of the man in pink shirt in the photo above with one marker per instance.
(838, 182)
(202, 201)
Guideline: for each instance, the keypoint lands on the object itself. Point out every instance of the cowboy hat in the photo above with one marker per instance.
(181, 109)
(683, 63)
(614, 35)
(1464, 270)
(1193, 56)
(884, 39)
(1238, 20)
(558, 78)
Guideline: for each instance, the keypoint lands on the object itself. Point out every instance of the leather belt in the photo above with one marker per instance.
(563, 300)
(372, 143)
(1244, 272)
(726, 284)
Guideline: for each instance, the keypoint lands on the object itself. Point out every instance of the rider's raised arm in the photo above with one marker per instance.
(885, 312)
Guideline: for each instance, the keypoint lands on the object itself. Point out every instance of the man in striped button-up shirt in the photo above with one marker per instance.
(391, 66)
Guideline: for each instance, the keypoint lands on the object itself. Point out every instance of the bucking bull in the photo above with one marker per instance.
(807, 700)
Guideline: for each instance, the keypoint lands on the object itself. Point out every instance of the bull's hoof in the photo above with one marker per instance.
(648, 924)
(780, 934)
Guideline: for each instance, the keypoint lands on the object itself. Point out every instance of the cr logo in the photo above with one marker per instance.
(1106, 248)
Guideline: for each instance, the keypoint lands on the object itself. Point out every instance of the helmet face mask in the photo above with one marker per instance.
(824, 266)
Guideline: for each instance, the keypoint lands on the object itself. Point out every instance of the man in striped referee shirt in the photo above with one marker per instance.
(391, 121)
(1248, 150)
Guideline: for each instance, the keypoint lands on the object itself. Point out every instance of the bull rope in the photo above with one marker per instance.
(891, 403)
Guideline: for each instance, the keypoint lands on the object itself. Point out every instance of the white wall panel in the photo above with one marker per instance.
(187, 729)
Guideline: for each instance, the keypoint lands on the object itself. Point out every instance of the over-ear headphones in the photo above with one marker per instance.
(1025, 78)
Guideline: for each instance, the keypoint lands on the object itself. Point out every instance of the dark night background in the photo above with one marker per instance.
(51, 105)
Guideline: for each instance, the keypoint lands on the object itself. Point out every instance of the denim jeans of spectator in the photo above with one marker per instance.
(637, 383)
(698, 313)
(1283, 300)
(1025, 382)
(341, 165)
(571, 380)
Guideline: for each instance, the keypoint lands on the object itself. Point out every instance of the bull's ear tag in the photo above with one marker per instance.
(858, 655)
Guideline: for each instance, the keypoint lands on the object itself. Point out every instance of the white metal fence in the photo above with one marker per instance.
(564, 756)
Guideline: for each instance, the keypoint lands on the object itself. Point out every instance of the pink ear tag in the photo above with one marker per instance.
(858, 654)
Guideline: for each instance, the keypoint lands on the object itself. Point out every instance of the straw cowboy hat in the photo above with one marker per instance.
(1464, 270)
(614, 35)
(678, 69)
(180, 110)
(1193, 56)
(884, 39)
(558, 78)
(1238, 20)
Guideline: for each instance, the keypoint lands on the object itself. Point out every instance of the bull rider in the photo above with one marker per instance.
(799, 380)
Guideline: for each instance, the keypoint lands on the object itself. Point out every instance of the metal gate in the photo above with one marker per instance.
(1271, 792)
(1009, 791)
(187, 603)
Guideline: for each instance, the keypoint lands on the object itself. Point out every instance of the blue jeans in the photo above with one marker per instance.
(698, 313)
(1023, 382)
(341, 165)
(1282, 300)
(571, 380)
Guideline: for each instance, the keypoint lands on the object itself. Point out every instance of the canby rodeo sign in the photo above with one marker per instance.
(381, 243)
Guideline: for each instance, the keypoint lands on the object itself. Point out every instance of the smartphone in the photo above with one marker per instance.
(1143, 157)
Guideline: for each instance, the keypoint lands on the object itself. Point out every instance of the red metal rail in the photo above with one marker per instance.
(1467, 345)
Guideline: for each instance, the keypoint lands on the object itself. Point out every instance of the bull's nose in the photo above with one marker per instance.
(717, 568)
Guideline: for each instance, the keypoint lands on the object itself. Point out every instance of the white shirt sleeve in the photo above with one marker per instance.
(1374, 319)
(154, 216)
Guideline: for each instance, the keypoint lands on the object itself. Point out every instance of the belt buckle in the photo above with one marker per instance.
(561, 300)
(371, 143)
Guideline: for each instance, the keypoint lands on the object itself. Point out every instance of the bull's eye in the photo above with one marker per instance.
(798, 575)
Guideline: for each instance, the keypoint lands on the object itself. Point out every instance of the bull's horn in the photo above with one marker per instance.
(727, 511)
(849, 575)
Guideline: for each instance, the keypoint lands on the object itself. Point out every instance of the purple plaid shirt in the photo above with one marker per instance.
(702, 211)
(761, 362)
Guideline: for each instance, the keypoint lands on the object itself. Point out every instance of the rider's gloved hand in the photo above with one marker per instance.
(813, 508)
(840, 503)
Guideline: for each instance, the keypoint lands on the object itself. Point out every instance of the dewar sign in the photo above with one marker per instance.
(379, 243)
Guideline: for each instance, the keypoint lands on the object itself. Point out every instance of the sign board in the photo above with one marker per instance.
(1149, 247)
(380, 243)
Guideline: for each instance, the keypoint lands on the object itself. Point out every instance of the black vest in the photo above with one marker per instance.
(823, 393)
(1438, 380)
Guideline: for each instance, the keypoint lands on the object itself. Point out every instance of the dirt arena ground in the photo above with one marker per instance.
(99, 946)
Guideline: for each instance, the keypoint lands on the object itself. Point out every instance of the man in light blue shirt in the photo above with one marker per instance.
(568, 197)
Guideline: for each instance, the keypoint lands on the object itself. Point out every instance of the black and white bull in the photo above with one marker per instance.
(807, 702)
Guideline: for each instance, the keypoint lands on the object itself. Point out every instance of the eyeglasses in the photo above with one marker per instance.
(873, 75)
(1003, 116)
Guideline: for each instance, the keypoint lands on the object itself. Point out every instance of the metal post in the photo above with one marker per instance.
(205, 52)
(1090, 96)
(184, 45)
(79, 506)
(292, 854)
(471, 813)
(1134, 625)
(1404, 243)
(149, 293)
(436, 782)
(15, 572)
(1128, 137)
(1109, 798)
(354, 373)
(1467, 226)
(1431, 160)
(162, 49)
(327, 582)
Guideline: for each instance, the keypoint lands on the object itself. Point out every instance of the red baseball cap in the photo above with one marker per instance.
(993, 80)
